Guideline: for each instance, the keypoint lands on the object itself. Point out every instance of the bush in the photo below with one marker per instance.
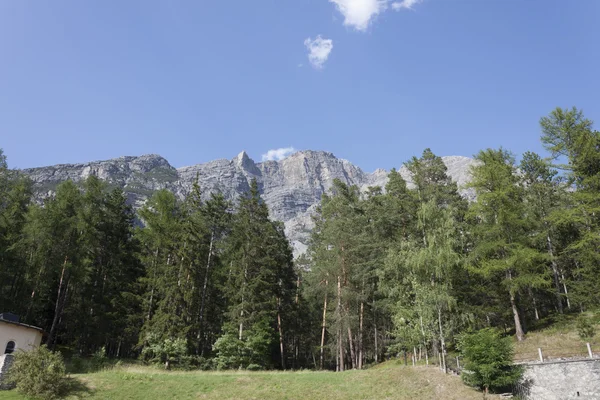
(488, 360)
(230, 352)
(76, 364)
(585, 328)
(39, 373)
(99, 359)
(165, 351)
(254, 349)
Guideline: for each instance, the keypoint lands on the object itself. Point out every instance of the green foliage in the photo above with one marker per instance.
(488, 360)
(503, 251)
(76, 364)
(229, 352)
(165, 351)
(570, 137)
(585, 327)
(99, 359)
(254, 349)
(39, 373)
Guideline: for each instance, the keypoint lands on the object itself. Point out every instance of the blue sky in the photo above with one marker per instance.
(199, 80)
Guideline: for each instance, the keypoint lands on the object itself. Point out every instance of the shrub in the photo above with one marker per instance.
(585, 328)
(230, 352)
(76, 364)
(253, 349)
(488, 360)
(99, 359)
(39, 373)
(165, 351)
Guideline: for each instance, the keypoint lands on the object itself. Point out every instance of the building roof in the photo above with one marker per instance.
(22, 324)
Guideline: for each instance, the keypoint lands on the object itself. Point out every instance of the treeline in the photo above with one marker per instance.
(204, 283)
(407, 270)
(212, 284)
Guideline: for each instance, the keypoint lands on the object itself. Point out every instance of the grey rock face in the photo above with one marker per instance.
(291, 187)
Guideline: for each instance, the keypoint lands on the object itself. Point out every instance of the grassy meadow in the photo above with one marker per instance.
(390, 380)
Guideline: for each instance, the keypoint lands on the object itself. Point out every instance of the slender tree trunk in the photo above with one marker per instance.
(518, 328)
(321, 360)
(205, 285)
(352, 353)
(280, 329)
(375, 325)
(337, 354)
(537, 314)
(296, 338)
(37, 282)
(564, 282)
(360, 336)
(58, 305)
(341, 350)
(376, 346)
(442, 341)
(150, 303)
(339, 331)
(554, 273)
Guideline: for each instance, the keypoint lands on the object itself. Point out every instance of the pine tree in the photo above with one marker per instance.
(570, 137)
(545, 197)
(502, 252)
(260, 285)
(15, 196)
(161, 240)
(342, 272)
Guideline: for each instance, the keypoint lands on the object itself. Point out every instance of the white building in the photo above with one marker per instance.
(15, 336)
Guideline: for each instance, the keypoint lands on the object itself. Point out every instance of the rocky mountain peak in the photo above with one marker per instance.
(291, 187)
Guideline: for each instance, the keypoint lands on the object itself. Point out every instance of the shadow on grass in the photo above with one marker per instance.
(74, 387)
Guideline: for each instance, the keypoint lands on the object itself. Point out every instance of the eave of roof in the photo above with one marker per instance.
(22, 324)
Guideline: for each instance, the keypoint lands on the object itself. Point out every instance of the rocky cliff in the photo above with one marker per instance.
(291, 187)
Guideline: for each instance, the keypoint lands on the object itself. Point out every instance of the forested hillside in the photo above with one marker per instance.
(212, 283)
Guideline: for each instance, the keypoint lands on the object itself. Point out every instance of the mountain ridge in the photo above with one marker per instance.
(291, 187)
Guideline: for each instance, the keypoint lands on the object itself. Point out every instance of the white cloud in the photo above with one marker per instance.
(318, 50)
(405, 4)
(278, 154)
(359, 13)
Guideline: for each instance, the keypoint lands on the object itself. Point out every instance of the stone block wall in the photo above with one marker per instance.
(563, 380)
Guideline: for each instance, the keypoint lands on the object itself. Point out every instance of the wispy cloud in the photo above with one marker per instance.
(405, 4)
(278, 154)
(359, 13)
(318, 50)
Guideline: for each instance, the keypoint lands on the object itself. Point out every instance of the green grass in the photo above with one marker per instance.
(558, 340)
(386, 381)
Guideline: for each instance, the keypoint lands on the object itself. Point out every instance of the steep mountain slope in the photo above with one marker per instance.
(291, 187)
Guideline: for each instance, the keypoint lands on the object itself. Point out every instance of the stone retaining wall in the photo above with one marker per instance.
(562, 380)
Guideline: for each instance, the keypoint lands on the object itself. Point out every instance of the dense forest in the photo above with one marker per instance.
(213, 284)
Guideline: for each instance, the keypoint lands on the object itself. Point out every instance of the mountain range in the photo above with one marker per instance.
(291, 187)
